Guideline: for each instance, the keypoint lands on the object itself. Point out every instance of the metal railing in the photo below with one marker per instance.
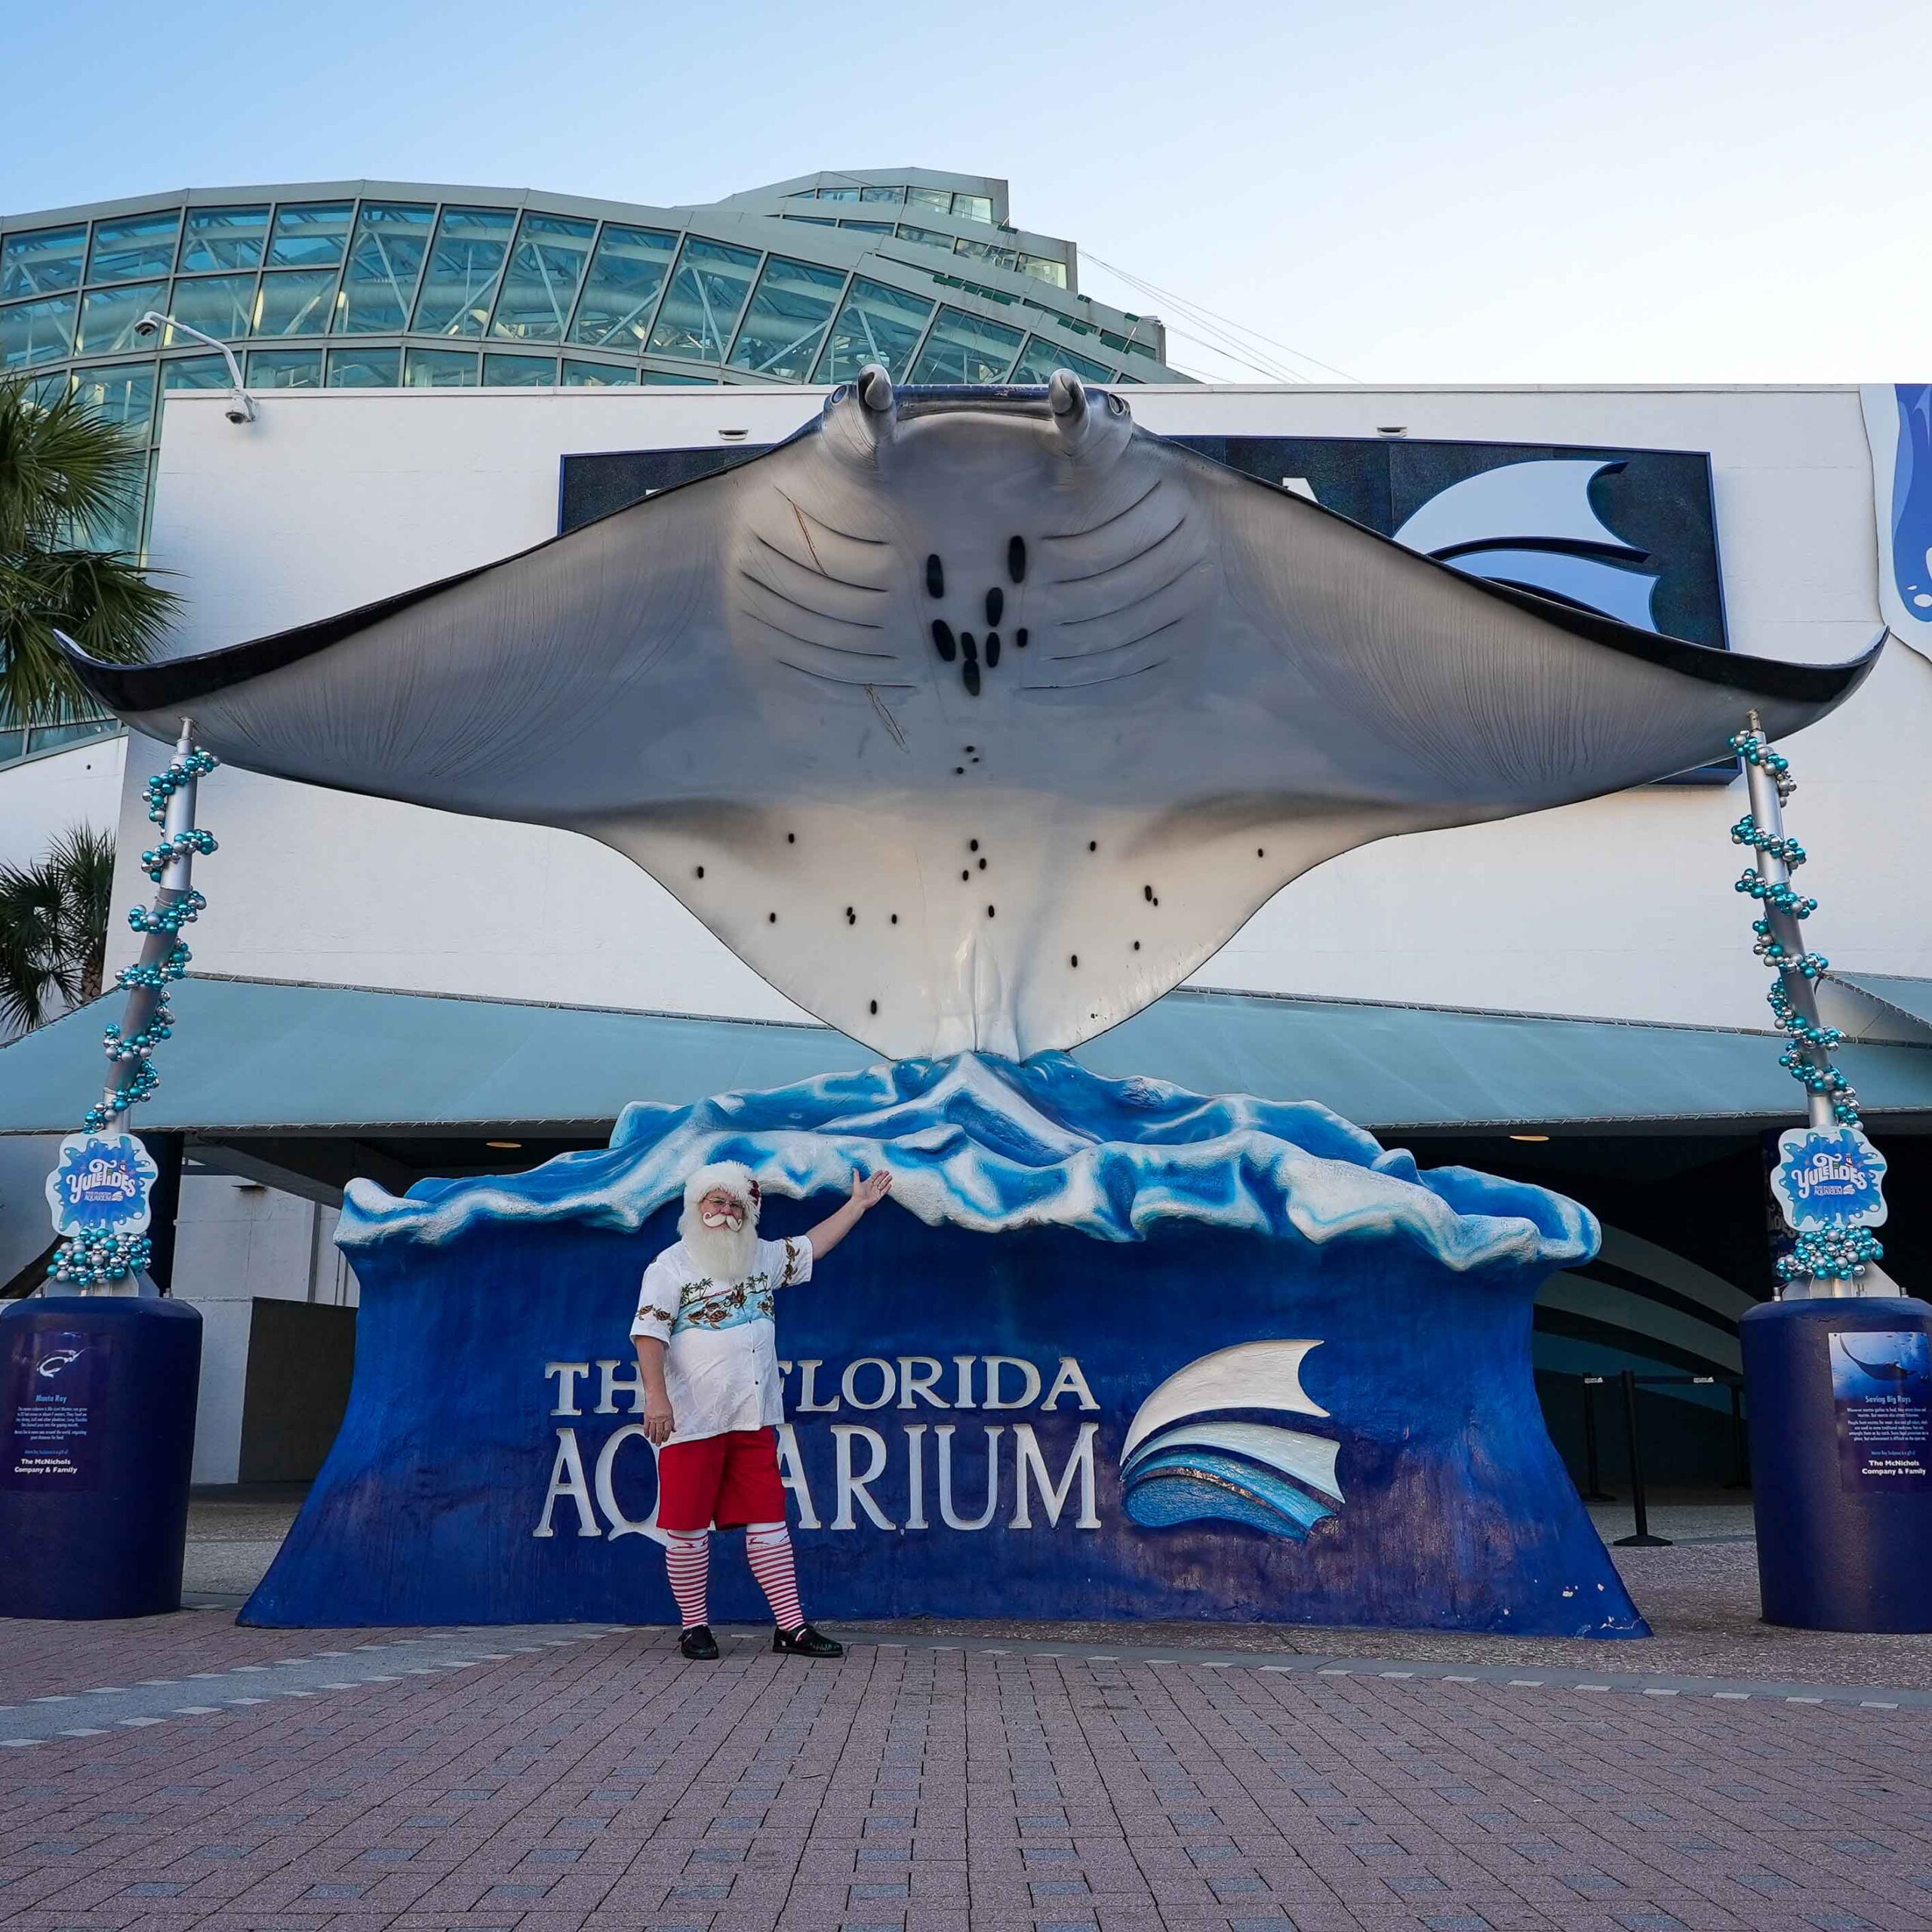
(1630, 1381)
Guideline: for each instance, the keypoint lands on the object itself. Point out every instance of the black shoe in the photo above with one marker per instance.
(698, 1643)
(805, 1642)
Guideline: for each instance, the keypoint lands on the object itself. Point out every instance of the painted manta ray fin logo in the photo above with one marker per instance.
(52, 1364)
(1184, 1460)
(1532, 525)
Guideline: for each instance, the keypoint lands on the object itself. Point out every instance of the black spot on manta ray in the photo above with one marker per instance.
(996, 604)
(942, 639)
(1015, 559)
(935, 576)
(1019, 637)
(969, 676)
(992, 649)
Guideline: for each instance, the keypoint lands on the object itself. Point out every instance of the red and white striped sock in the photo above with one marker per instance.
(768, 1550)
(687, 1563)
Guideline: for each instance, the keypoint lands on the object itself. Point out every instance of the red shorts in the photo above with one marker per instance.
(720, 1481)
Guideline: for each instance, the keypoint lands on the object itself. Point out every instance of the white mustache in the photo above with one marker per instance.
(716, 1220)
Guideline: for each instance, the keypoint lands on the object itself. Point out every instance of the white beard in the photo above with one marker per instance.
(726, 1255)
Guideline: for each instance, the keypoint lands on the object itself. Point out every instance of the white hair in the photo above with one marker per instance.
(726, 1254)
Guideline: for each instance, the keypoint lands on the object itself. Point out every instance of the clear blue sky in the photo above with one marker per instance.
(1640, 192)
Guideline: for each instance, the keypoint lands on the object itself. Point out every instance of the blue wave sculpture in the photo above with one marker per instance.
(991, 1145)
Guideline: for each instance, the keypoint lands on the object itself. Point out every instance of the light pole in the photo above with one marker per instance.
(241, 403)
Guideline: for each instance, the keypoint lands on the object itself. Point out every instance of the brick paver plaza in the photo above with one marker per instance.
(594, 1780)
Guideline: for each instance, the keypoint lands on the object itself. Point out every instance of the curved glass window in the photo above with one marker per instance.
(466, 264)
(299, 302)
(597, 376)
(1042, 358)
(974, 207)
(545, 269)
(140, 245)
(701, 307)
(365, 368)
(966, 348)
(439, 369)
(878, 324)
(43, 262)
(787, 319)
(519, 372)
(108, 316)
(392, 238)
(222, 305)
(1043, 268)
(309, 235)
(194, 372)
(123, 393)
(626, 277)
(285, 368)
(224, 238)
(33, 332)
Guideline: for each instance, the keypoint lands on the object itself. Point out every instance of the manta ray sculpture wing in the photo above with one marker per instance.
(973, 718)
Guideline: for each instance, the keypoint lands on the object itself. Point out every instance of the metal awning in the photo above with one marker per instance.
(254, 1057)
(1878, 1006)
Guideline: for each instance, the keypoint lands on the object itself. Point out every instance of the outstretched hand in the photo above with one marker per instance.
(868, 1191)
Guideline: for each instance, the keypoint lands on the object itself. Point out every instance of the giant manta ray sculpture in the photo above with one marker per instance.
(973, 718)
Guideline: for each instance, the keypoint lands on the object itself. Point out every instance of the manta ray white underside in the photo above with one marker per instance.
(973, 718)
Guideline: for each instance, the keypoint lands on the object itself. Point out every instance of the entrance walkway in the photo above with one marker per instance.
(181, 1772)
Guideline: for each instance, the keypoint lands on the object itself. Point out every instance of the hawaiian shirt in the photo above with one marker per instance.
(720, 1367)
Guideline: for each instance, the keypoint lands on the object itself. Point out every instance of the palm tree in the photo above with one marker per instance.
(53, 915)
(66, 473)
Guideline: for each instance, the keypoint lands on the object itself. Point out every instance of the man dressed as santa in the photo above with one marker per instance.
(706, 1352)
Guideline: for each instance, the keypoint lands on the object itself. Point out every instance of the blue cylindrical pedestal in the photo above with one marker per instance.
(1841, 1466)
(97, 1397)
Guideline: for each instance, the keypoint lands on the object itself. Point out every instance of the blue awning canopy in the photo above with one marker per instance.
(260, 1057)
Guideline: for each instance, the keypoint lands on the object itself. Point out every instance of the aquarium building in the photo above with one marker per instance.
(438, 376)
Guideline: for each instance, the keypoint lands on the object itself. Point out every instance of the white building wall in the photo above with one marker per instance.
(334, 498)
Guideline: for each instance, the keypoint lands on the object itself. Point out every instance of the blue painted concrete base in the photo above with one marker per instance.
(959, 1403)
(1841, 1411)
(97, 1397)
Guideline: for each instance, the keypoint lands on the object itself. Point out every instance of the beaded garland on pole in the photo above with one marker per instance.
(1831, 1253)
(96, 1258)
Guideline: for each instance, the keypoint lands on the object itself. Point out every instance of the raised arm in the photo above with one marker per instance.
(866, 1194)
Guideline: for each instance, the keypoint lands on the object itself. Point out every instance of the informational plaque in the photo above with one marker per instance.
(50, 1410)
(1881, 1388)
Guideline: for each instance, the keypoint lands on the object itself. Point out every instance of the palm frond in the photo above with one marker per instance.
(54, 913)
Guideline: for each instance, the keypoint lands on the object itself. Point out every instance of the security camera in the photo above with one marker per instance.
(147, 324)
(240, 408)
